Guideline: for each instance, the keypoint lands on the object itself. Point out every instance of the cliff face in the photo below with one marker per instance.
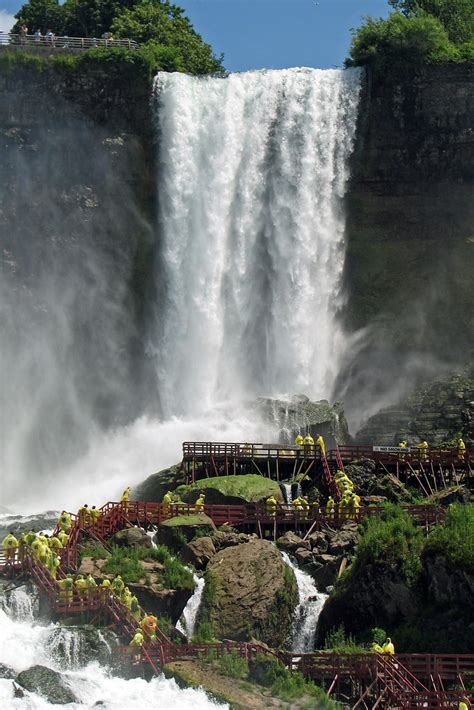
(410, 233)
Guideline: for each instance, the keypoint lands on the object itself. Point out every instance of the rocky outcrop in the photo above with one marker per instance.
(159, 601)
(439, 411)
(153, 488)
(376, 599)
(48, 683)
(323, 552)
(250, 593)
(232, 490)
(175, 532)
(301, 414)
(198, 552)
(131, 537)
(369, 483)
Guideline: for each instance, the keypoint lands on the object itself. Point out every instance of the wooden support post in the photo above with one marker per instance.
(434, 476)
(442, 475)
(256, 466)
(277, 468)
(426, 479)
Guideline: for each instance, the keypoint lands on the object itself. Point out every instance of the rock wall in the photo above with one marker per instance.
(410, 235)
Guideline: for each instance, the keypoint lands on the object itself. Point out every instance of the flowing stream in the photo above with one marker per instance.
(307, 612)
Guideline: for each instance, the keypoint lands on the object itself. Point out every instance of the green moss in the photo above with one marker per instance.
(250, 488)
(183, 520)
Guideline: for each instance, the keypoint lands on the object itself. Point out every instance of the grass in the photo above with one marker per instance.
(125, 561)
(455, 538)
(250, 488)
(179, 520)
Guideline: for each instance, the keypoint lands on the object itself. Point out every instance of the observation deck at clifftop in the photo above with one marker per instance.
(44, 45)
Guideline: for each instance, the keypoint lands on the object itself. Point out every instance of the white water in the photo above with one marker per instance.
(307, 612)
(191, 609)
(24, 644)
(252, 172)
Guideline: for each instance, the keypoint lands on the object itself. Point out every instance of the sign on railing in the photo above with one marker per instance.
(53, 42)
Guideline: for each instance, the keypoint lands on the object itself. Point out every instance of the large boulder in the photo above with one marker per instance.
(198, 552)
(131, 537)
(76, 646)
(176, 532)
(48, 683)
(232, 490)
(162, 602)
(369, 483)
(231, 538)
(250, 593)
(290, 542)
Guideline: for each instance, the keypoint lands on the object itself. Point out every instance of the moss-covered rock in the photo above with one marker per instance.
(232, 490)
(178, 531)
(250, 593)
(48, 683)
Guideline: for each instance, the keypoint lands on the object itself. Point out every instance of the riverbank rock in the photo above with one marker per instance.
(162, 602)
(76, 646)
(232, 490)
(290, 542)
(131, 537)
(250, 592)
(231, 538)
(48, 683)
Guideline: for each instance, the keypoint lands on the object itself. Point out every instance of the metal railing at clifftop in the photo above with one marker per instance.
(75, 43)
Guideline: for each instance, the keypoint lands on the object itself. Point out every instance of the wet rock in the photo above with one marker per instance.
(76, 646)
(198, 552)
(162, 602)
(290, 542)
(6, 671)
(249, 592)
(368, 483)
(319, 542)
(303, 556)
(343, 541)
(325, 570)
(453, 494)
(131, 537)
(48, 683)
(222, 539)
(155, 486)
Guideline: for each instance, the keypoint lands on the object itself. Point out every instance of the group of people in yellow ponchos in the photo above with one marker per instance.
(424, 448)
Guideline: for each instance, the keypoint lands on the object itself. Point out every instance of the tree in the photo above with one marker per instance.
(400, 40)
(165, 25)
(92, 18)
(40, 14)
(456, 16)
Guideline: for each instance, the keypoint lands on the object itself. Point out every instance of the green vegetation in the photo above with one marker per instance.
(288, 685)
(418, 32)
(250, 488)
(204, 633)
(125, 561)
(337, 641)
(167, 38)
(233, 665)
(455, 539)
(391, 540)
(180, 520)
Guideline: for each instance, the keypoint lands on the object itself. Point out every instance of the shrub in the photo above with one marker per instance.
(337, 641)
(391, 540)
(233, 665)
(204, 633)
(125, 561)
(455, 538)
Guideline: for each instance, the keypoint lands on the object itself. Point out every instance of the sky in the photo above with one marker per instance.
(272, 34)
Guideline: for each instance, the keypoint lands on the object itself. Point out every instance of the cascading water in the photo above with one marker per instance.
(25, 644)
(252, 172)
(188, 624)
(309, 607)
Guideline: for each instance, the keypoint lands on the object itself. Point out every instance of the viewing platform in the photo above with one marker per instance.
(44, 44)
(430, 469)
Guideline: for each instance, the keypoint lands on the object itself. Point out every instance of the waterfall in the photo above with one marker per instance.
(307, 612)
(252, 175)
(19, 605)
(189, 615)
(286, 490)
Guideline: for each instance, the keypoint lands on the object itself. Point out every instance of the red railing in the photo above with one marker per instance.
(409, 455)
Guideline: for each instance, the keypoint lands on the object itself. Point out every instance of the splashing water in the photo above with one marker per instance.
(252, 173)
(191, 609)
(25, 644)
(19, 605)
(307, 612)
